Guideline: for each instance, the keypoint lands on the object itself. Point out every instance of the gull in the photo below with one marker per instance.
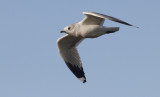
(90, 27)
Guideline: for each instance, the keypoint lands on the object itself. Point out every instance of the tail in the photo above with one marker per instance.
(112, 29)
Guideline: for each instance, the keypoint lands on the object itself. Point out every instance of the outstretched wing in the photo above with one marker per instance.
(68, 51)
(98, 19)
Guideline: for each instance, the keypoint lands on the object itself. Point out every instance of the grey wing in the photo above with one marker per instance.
(68, 51)
(100, 18)
(92, 19)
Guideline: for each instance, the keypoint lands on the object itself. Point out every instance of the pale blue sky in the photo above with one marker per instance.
(123, 64)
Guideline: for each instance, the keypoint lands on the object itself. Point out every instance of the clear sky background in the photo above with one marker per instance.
(122, 64)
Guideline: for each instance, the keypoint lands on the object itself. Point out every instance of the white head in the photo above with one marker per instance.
(70, 29)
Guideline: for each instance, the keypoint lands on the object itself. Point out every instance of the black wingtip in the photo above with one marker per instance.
(77, 71)
(84, 81)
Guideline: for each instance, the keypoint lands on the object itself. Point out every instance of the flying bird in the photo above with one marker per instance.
(90, 27)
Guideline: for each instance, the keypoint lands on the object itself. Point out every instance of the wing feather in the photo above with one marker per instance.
(68, 51)
(100, 18)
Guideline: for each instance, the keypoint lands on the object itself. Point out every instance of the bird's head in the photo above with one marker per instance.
(69, 29)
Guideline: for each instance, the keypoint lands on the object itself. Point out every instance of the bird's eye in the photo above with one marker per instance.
(69, 28)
